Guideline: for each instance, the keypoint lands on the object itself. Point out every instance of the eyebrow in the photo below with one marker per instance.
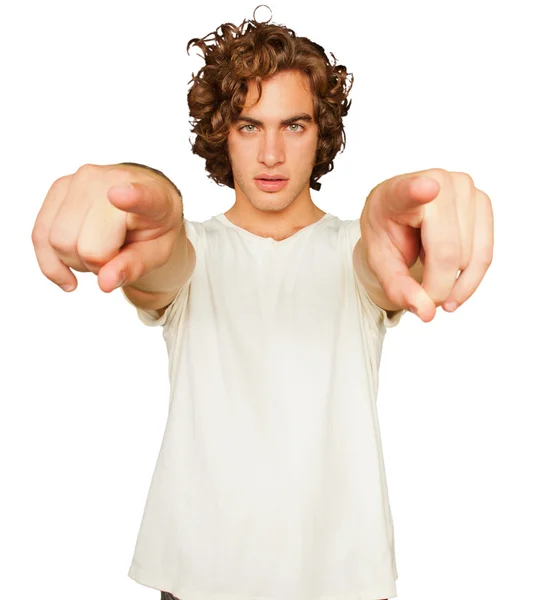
(290, 121)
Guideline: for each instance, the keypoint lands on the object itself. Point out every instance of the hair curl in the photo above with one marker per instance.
(235, 55)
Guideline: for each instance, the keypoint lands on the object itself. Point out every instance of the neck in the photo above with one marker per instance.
(273, 223)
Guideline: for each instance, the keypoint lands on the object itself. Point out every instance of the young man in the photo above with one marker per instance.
(270, 481)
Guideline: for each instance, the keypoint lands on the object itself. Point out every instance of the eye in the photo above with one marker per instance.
(294, 126)
(249, 128)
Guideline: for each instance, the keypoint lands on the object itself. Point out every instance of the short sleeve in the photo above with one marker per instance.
(150, 317)
(376, 314)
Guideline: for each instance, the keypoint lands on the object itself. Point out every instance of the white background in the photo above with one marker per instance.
(84, 385)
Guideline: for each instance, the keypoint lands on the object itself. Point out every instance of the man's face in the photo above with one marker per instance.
(276, 137)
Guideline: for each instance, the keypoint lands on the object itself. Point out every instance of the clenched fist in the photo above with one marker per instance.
(118, 221)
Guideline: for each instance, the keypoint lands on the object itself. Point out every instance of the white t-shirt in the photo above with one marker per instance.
(270, 481)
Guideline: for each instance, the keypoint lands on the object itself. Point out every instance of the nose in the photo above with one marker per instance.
(271, 150)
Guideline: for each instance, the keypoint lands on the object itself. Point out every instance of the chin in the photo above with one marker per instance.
(272, 202)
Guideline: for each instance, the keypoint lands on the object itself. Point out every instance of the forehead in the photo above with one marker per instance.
(283, 93)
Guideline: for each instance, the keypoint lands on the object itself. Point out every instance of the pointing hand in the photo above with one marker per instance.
(439, 217)
(119, 222)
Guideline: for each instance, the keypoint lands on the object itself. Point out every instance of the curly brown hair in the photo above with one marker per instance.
(235, 55)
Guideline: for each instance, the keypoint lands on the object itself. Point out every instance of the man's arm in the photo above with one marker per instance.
(158, 288)
(152, 291)
(370, 282)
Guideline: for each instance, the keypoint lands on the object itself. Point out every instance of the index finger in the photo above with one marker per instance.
(404, 197)
(151, 202)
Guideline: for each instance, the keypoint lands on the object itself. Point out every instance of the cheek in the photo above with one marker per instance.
(230, 145)
(238, 151)
(306, 145)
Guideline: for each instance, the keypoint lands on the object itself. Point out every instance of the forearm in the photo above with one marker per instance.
(167, 279)
(158, 288)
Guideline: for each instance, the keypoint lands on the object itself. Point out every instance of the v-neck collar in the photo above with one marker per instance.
(222, 218)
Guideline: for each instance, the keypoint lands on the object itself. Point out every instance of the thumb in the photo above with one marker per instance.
(407, 193)
(135, 260)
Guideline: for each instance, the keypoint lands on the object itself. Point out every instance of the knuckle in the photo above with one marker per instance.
(439, 174)
(61, 241)
(468, 181)
(464, 177)
(61, 182)
(464, 262)
(464, 184)
(118, 173)
(448, 254)
(39, 235)
(485, 259)
(484, 199)
(484, 196)
(87, 171)
(92, 256)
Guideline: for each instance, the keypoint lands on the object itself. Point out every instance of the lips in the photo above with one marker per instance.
(270, 183)
(274, 177)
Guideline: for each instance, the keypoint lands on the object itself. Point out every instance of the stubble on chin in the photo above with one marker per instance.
(274, 201)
